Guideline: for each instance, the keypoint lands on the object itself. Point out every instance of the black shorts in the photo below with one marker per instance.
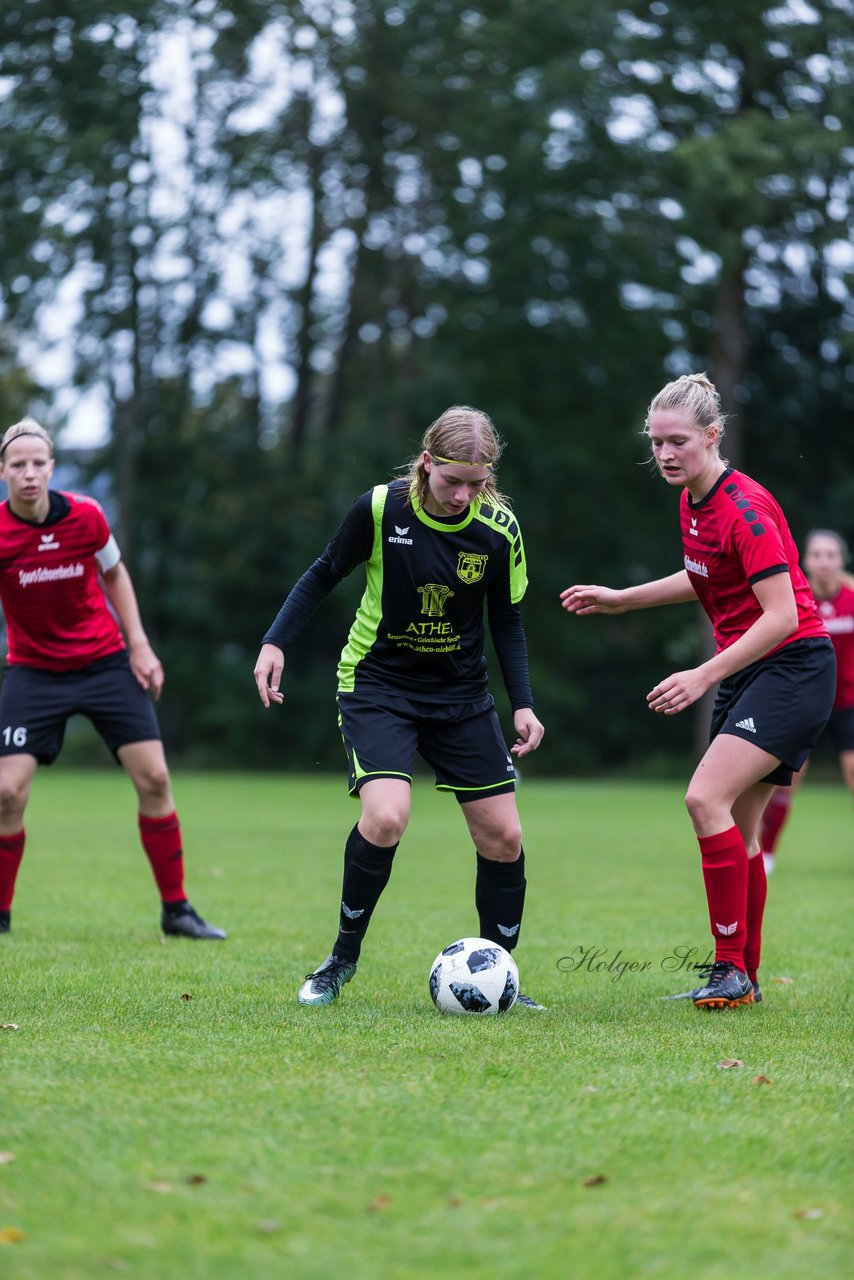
(780, 703)
(35, 706)
(463, 745)
(840, 729)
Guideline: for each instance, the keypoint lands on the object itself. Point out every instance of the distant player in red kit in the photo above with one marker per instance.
(824, 559)
(59, 567)
(774, 662)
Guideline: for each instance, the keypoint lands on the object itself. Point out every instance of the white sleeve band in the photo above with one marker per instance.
(109, 555)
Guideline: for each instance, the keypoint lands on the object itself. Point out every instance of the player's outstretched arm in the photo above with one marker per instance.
(676, 589)
(144, 662)
(529, 730)
(591, 599)
(268, 673)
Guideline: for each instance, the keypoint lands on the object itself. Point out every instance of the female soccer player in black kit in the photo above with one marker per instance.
(774, 661)
(436, 544)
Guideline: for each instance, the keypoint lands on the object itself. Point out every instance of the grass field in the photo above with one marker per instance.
(172, 1112)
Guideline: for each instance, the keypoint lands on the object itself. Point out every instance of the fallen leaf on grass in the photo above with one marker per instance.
(186, 996)
(761, 1080)
(195, 1179)
(784, 982)
(595, 1180)
(809, 1214)
(8, 1026)
(454, 1202)
(163, 1187)
(726, 1064)
(6, 1157)
(379, 1202)
(11, 1235)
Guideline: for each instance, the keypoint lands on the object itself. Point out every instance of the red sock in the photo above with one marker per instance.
(11, 853)
(725, 873)
(757, 889)
(161, 840)
(774, 819)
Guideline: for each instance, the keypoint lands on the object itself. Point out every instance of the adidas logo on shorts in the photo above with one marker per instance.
(746, 724)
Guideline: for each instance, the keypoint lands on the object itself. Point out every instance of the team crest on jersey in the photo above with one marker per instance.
(433, 596)
(470, 566)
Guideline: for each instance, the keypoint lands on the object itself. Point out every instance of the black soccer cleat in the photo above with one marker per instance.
(324, 985)
(5, 921)
(689, 995)
(179, 920)
(726, 987)
(525, 1002)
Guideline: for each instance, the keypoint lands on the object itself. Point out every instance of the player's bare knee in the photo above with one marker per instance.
(511, 841)
(153, 783)
(14, 794)
(700, 805)
(501, 844)
(384, 826)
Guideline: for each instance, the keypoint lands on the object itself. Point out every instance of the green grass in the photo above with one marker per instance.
(234, 1134)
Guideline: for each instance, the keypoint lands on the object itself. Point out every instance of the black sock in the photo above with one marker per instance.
(367, 868)
(499, 896)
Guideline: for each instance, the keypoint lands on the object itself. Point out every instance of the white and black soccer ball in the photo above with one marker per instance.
(474, 975)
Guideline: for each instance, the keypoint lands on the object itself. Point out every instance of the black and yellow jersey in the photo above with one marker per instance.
(419, 627)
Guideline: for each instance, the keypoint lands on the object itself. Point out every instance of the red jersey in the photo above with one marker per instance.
(57, 616)
(735, 536)
(838, 616)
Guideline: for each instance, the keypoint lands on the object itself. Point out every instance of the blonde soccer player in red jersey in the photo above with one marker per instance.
(774, 666)
(62, 586)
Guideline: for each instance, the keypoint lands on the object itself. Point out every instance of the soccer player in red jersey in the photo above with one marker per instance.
(824, 559)
(774, 665)
(62, 586)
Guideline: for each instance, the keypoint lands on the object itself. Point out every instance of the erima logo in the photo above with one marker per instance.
(726, 929)
(401, 537)
(351, 915)
(48, 542)
(746, 724)
(508, 932)
(696, 566)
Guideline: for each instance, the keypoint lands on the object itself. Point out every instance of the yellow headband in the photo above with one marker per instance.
(459, 462)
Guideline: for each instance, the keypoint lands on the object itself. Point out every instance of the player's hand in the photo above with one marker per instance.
(268, 673)
(591, 599)
(147, 668)
(529, 729)
(678, 691)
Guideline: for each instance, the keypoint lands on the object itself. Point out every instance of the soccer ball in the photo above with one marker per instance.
(474, 975)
